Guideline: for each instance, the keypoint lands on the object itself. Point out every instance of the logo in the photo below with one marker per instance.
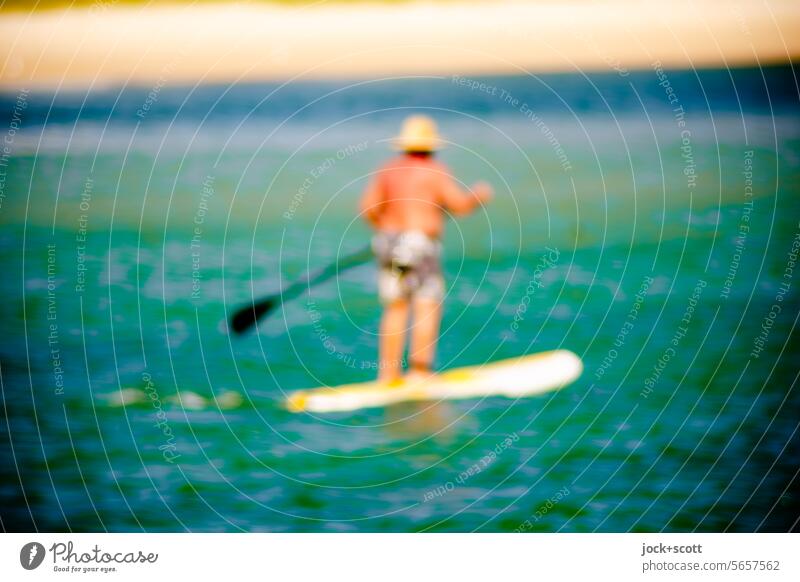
(31, 555)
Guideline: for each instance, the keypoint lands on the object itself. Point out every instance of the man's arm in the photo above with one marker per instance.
(462, 203)
(372, 200)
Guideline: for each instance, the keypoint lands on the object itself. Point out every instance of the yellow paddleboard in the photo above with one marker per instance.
(513, 378)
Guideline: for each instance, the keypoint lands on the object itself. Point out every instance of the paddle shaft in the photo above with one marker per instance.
(323, 274)
(248, 316)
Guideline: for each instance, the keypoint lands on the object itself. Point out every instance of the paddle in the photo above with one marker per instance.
(246, 317)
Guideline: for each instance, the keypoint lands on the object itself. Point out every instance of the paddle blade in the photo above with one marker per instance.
(248, 316)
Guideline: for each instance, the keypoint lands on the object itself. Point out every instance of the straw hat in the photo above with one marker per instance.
(418, 134)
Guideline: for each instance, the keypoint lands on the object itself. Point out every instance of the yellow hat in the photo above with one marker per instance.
(418, 134)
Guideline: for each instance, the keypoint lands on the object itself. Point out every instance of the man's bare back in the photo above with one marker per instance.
(414, 192)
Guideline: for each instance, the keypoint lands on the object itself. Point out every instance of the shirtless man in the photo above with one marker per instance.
(406, 203)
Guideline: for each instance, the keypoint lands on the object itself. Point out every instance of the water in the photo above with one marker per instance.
(127, 240)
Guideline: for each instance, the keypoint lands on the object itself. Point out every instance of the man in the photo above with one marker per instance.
(407, 203)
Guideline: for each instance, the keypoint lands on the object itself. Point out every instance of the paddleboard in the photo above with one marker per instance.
(513, 378)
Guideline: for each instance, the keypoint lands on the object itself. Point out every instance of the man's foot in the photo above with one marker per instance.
(418, 374)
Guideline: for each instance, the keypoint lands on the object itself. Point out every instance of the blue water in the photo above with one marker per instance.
(134, 221)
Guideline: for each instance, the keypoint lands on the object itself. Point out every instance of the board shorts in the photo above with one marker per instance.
(409, 266)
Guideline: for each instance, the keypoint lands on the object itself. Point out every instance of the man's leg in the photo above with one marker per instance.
(392, 340)
(424, 334)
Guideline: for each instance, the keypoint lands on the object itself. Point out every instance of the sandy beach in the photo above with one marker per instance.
(109, 44)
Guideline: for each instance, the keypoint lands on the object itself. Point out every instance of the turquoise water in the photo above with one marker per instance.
(127, 240)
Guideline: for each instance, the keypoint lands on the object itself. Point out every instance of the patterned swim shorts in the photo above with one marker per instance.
(409, 266)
